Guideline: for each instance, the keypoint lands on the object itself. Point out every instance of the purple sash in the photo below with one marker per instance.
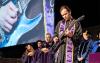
(69, 44)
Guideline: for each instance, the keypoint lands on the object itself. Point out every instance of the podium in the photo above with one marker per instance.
(94, 57)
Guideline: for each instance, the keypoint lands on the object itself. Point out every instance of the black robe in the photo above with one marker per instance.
(84, 49)
(44, 57)
(27, 59)
(76, 41)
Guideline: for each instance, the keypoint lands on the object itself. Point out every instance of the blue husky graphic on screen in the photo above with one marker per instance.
(25, 25)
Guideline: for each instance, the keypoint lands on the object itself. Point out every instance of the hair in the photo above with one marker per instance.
(32, 49)
(48, 34)
(89, 34)
(39, 41)
(55, 36)
(65, 7)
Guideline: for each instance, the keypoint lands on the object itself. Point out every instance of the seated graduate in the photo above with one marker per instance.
(28, 56)
(45, 56)
(39, 44)
(48, 41)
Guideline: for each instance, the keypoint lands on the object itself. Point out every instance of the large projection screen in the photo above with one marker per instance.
(34, 19)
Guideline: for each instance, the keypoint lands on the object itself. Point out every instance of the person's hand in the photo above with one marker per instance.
(55, 39)
(68, 33)
(30, 54)
(8, 16)
(45, 50)
(80, 59)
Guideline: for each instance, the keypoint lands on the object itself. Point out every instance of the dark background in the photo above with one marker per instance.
(90, 8)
